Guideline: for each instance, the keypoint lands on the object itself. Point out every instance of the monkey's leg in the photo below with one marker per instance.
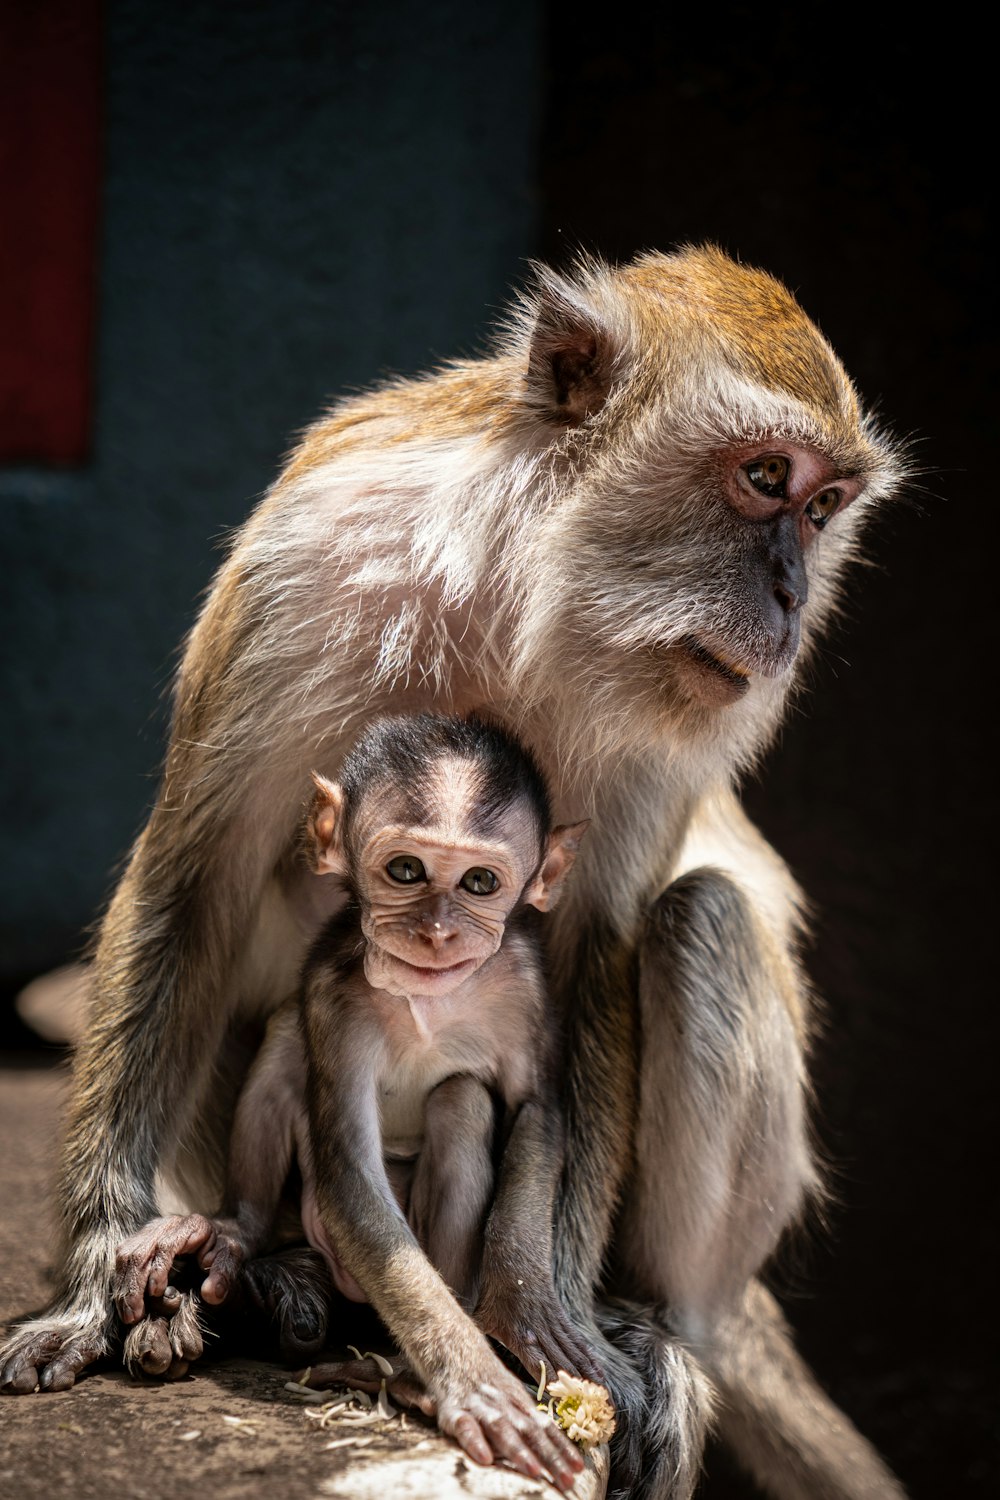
(147, 1055)
(722, 1167)
(453, 1181)
(519, 1303)
(661, 1399)
(293, 1288)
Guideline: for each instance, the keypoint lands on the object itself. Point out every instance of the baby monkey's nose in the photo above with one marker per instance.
(437, 927)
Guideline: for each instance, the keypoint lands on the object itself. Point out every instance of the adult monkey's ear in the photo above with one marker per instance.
(325, 827)
(574, 354)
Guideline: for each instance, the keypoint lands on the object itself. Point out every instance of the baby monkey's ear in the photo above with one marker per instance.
(561, 848)
(324, 828)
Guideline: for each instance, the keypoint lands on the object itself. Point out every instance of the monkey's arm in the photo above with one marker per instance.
(260, 1155)
(518, 1301)
(160, 991)
(477, 1400)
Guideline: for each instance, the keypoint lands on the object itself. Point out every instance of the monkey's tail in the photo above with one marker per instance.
(777, 1421)
(664, 1412)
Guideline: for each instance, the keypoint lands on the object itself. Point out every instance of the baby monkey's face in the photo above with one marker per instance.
(437, 868)
(434, 901)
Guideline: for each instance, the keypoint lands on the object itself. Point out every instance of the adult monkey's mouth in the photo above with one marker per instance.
(735, 677)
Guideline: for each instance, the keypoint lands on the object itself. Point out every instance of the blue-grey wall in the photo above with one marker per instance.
(299, 198)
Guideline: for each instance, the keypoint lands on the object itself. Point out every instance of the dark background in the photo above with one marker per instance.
(296, 198)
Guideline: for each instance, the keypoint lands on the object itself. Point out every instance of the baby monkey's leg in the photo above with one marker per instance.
(453, 1181)
(293, 1289)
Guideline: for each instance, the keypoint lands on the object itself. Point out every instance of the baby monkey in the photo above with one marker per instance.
(412, 1080)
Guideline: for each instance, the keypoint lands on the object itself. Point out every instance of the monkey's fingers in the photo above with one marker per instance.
(537, 1331)
(144, 1261)
(224, 1261)
(498, 1416)
(467, 1432)
(558, 1346)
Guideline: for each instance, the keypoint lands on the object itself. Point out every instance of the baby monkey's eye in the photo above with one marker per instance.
(405, 868)
(479, 882)
(768, 475)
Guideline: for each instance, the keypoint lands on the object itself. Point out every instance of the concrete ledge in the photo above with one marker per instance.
(414, 1465)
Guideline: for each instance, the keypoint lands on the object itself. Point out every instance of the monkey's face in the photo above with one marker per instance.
(437, 891)
(435, 898)
(440, 834)
(717, 468)
(767, 510)
(693, 588)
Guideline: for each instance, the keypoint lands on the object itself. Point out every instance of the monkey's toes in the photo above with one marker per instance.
(48, 1357)
(61, 1372)
(186, 1339)
(19, 1376)
(148, 1348)
(292, 1289)
(405, 1387)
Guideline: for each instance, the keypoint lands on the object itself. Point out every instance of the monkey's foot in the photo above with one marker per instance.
(166, 1344)
(48, 1354)
(405, 1387)
(538, 1332)
(292, 1287)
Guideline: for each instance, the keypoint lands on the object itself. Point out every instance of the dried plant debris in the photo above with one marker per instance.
(346, 1407)
(385, 1365)
(245, 1425)
(298, 1389)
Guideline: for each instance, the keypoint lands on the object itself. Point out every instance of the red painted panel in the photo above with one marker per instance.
(50, 81)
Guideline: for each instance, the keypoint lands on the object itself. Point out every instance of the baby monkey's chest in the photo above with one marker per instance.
(408, 1079)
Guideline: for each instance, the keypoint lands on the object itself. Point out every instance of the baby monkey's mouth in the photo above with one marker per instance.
(430, 970)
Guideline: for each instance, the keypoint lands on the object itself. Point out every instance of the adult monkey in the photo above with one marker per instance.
(615, 533)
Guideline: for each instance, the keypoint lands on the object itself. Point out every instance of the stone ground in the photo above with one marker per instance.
(231, 1426)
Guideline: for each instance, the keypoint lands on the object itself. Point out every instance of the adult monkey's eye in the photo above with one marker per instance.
(768, 475)
(406, 869)
(821, 507)
(479, 882)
